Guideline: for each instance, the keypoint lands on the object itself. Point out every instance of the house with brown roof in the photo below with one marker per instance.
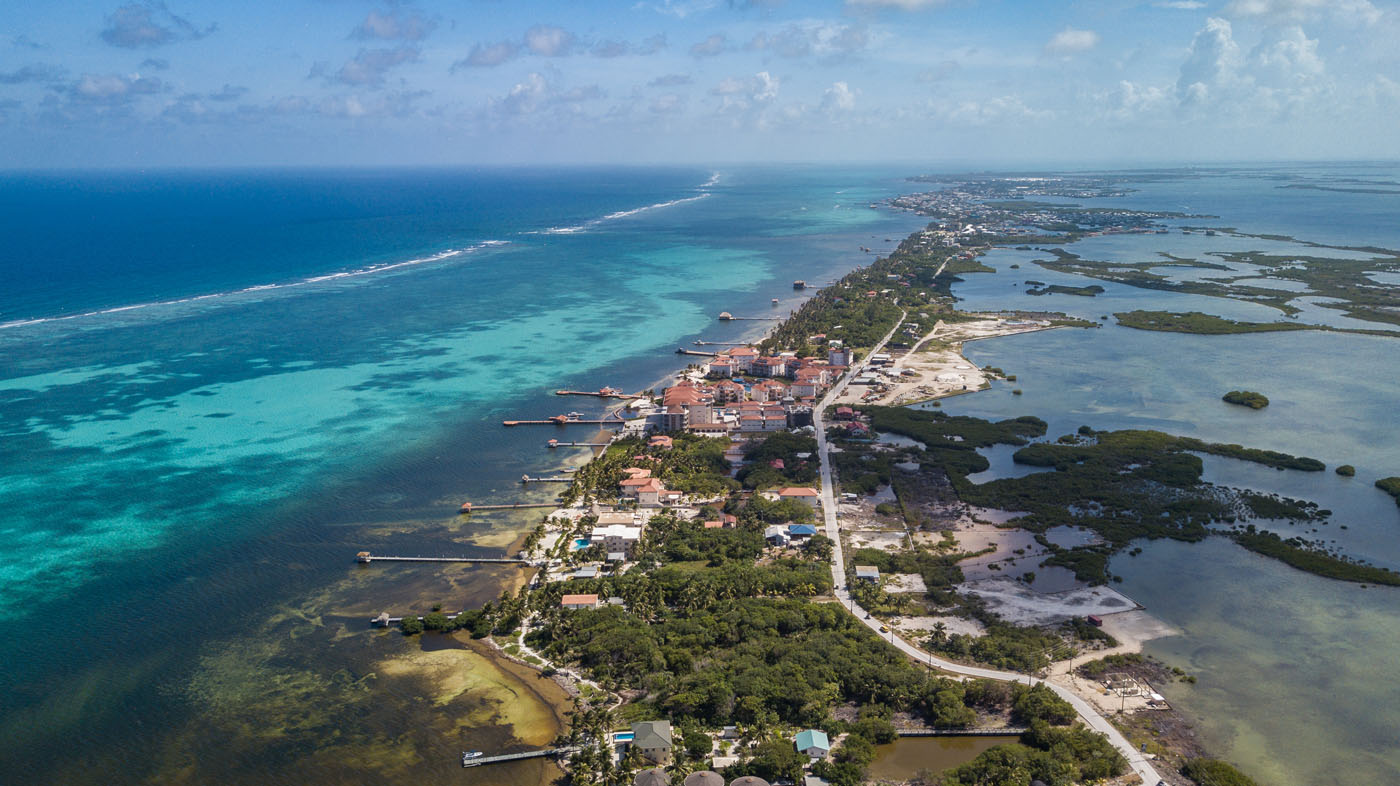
(803, 493)
(589, 601)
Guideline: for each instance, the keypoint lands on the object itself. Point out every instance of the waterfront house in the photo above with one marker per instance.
(743, 358)
(813, 743)
(803, 493)
(645, 491)
(617, 539)
(868, 573)
(589, 601)
(652, 739)
(722, 367)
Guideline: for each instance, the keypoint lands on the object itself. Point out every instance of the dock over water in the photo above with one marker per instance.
(516, 756)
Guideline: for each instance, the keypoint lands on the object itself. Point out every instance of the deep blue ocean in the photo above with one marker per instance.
(217, 387)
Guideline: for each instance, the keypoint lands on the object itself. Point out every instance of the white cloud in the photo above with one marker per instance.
(1277, 11)
(549, 41)
(1070, 41)
(394, 26)
(711, 46)
(1212, 63)
(838, 98)
(904, 5)
(823, 39)
(488, 55)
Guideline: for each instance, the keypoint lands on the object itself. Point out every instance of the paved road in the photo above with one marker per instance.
(1090, 716)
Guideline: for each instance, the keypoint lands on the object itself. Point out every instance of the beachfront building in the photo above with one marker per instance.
(813, 743)
(652, 739)
(617, 539)
(645, 491)
(743, 358)
(575, 602)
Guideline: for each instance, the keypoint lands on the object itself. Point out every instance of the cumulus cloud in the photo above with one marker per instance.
(38, 72)
(1070, 41)
(904, 5)
(1129, 101)
(146, 25)
(670, 80)
(394, 26)
(549, 41)
(1279, 11)
(747, 101)
(369, 66)
(1212, 63)
(823, 39)
(539, 97)
(488, 55)
(710, 47)
(838, 98)
(113, 88)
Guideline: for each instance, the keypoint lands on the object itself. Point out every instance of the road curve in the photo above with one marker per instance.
(1091, 717)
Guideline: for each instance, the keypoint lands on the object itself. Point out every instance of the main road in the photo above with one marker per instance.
(1091, 717)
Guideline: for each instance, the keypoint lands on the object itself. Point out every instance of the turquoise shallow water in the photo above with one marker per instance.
(186, 469)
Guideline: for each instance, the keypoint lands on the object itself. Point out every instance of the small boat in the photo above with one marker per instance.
(468, 756)
(775, 301)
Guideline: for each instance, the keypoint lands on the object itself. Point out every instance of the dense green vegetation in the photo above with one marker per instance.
(1246, 398)
(951, 442)
(1005, 646)
(1057, 756)
(1214, 772)
(1296, 553)
(781, 448)
(1390, 486)
(1346, 470)
(1061, 289)
(1123, 485)
(1196, 322)
(694, 464)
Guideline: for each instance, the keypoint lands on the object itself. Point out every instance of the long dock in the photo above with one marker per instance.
(554, 479)
(472, 508)
(604, 393)
(721, 343)
(566, 422)
(367, 557)
(554, 443)
(751, 319)
(1001, 732)
(684, 351)
(516, 756)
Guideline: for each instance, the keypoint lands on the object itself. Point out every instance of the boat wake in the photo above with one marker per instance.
(364, 271)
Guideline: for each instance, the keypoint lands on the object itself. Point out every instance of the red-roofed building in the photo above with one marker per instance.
(589, 601)
(713, 525)
(637, 472)
(845, 413)
(660, 441)
(803, 493)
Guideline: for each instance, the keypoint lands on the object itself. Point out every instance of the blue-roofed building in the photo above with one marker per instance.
(800, 531)
(813, 743)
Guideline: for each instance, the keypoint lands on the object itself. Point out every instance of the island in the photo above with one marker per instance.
(1246, 398)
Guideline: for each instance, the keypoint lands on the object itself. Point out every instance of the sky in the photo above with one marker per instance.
(157, 83)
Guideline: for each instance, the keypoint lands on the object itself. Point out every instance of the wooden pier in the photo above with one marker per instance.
(684, 351)
(366, 557)
(560, 420)
(516, 756)
(721, 343)
(604, 393)
(1006, 731)
(468, 507)
(555, 479)
(554, 443)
